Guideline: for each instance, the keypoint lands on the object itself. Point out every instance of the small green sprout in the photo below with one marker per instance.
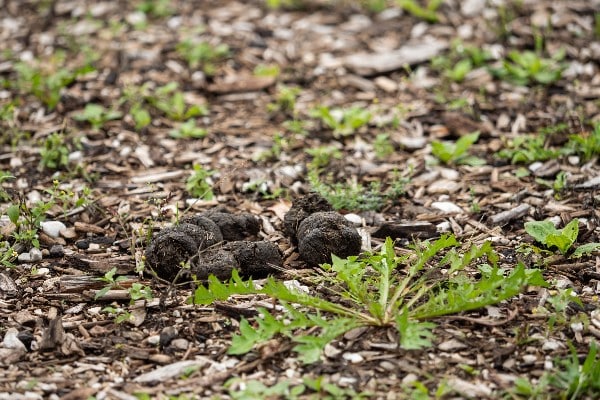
(448, 152)
(343, 121)
(54, 152)
(202, 54)
(427, 13)
(96, 115)
(197, 184)
(188, 130)
(528, 67)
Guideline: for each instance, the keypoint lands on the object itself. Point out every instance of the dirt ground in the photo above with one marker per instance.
(115, 183)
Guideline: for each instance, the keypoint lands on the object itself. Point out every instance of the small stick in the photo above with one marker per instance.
(506, 216)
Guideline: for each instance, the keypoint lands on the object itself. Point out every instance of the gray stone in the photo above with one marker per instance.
(470, 8)
(180, 344)
(24, 258)
(35, 254)
(52, 228)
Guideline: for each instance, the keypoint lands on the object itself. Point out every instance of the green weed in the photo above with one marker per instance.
(428, 12)
(54, 152)
(96, 115)
(285, 100)
(570, 379)
(317, 388)
(197, 184)
(323, 155)
(202, 54)
(119, 314)
(171, 102)
(352, 195)
(111, 282)
(188, 130)
(456, 153)
(527, 67)
(280, 143)
(267, 70)
(563, 239)
(527, 149)
(383, 147)
(343, 121)
(372, 293)
(586, 145)
(156, 8)
(46, 80)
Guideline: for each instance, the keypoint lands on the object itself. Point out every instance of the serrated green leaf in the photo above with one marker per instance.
(268, 327)
(310, 347)
(414, 335)
(219, 291)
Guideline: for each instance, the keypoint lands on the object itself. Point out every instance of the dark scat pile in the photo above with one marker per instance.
(301, 208)
(324, 233)
(319, 231)
(200, 240)
(251, 259)
(177, 244)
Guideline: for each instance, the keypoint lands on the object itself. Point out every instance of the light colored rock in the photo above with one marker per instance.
(68, 233)
(412, 143)
(470, 8)
(180, 344)
(446, 206)
(475, 390)
(354, 358)
(24, 258)
(354, 218)
(529, 358)
(75, 157)
(450, 174)
(35, 254)
(443, 227)
(43, 272)
(11, 341)
(443, 186)
(331, 351)
(550, 345)
(577, 327)
(153, 340)
(451, 344)
(52, 228)
(167, 372)
(386, 84)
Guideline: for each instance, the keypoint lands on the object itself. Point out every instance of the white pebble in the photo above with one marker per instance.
(529, 358)
(443, 227)
(446, 206)
(11, 341)
(577, 327)
(551, 345)
(354, 218)
(52, 228)
(354, 358)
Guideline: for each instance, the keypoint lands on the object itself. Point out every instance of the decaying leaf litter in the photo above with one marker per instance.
(120, 119)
